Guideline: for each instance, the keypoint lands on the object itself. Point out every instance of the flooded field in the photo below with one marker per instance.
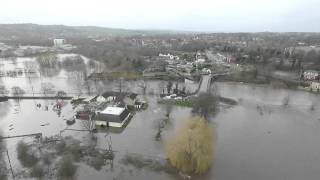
(270, 134)
(262, 139)
(18, 117)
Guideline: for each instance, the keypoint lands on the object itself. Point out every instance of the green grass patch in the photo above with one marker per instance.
(184, 103)
(116, 75)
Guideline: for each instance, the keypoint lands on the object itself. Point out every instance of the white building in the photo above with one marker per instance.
(113, 117)
(315, 86)
(200, 61)
(310, 75)
(59, 42)
(170, 56)
(206, 71)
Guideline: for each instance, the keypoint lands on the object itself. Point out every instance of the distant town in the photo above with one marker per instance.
(87, 103)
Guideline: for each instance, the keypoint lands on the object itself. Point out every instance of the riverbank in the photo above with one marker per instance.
(189, 102)
(271, 81)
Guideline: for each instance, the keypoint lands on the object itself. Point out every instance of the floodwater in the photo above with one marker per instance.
(261, 139)
(269, 134)
(25, 117)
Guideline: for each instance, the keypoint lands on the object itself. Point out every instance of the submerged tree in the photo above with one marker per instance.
(47, 88)
(169, 87)
(192, 149)
(3, 90)
(121, 85)
(66, 168)
(26, 155)
(162, 87)
(47, 159)
(17, 91)
(286, 101)
(61, 94)
(3, 166)
(205, 104)
(37, 172)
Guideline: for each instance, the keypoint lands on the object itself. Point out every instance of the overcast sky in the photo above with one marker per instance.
(189, 15)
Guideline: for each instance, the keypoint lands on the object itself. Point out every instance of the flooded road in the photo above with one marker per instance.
(205, 84)
(269, 134)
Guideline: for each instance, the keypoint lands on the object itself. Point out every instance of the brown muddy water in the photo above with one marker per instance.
(260, 138)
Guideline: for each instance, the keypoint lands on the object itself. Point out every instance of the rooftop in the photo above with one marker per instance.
(113, 110)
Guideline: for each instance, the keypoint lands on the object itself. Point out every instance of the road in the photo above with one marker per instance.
(205, 84)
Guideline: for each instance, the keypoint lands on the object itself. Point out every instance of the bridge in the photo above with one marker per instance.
(205, 82)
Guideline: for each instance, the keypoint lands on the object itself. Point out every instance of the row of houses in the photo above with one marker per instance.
(108, 109)
(313, 77)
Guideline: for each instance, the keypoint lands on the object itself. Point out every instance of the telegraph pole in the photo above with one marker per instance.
(10, 164)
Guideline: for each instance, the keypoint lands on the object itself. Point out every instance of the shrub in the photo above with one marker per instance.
(66, 168)
(3, 166)
(191, 150)
(97, 162)
(26, 156)
(60, 147)
(37, 172)
(205, 105)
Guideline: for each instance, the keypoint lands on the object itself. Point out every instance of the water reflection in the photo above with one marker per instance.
(262, 139)
(4, 109)
(257, 139)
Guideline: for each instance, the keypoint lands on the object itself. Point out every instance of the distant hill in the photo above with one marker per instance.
(52, 31)
(18, 31)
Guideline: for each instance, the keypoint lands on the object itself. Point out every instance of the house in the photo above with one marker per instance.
(112, 116)
(113, 96)
(77, 99)
(315, 86)
(101, 99)
(59, 42)
(120, 98)
(89, 99)
(206, 71)
(130, 99)
(310, 75)
(140, 105)
(200, 61)
(231, 60)
(169, 56)
(83, 112)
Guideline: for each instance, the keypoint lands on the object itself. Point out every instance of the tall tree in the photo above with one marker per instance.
(169, 87)
(192, 149)
(205, 104)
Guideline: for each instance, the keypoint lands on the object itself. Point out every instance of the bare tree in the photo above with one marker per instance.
(47, 88)
(47, 159)
(3, 90)
(162, 87)
(17, 91)
(26, 155)
(61, 94)
(143, 86)
(66, 168)
(37, 172)
(285, 101)
(121, 85)
(3, 166)
(169, 87)
(205, 104)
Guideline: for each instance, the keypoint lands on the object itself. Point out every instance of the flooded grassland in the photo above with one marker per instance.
(269, 134)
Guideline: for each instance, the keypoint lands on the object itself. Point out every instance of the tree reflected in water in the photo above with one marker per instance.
(4, 109)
